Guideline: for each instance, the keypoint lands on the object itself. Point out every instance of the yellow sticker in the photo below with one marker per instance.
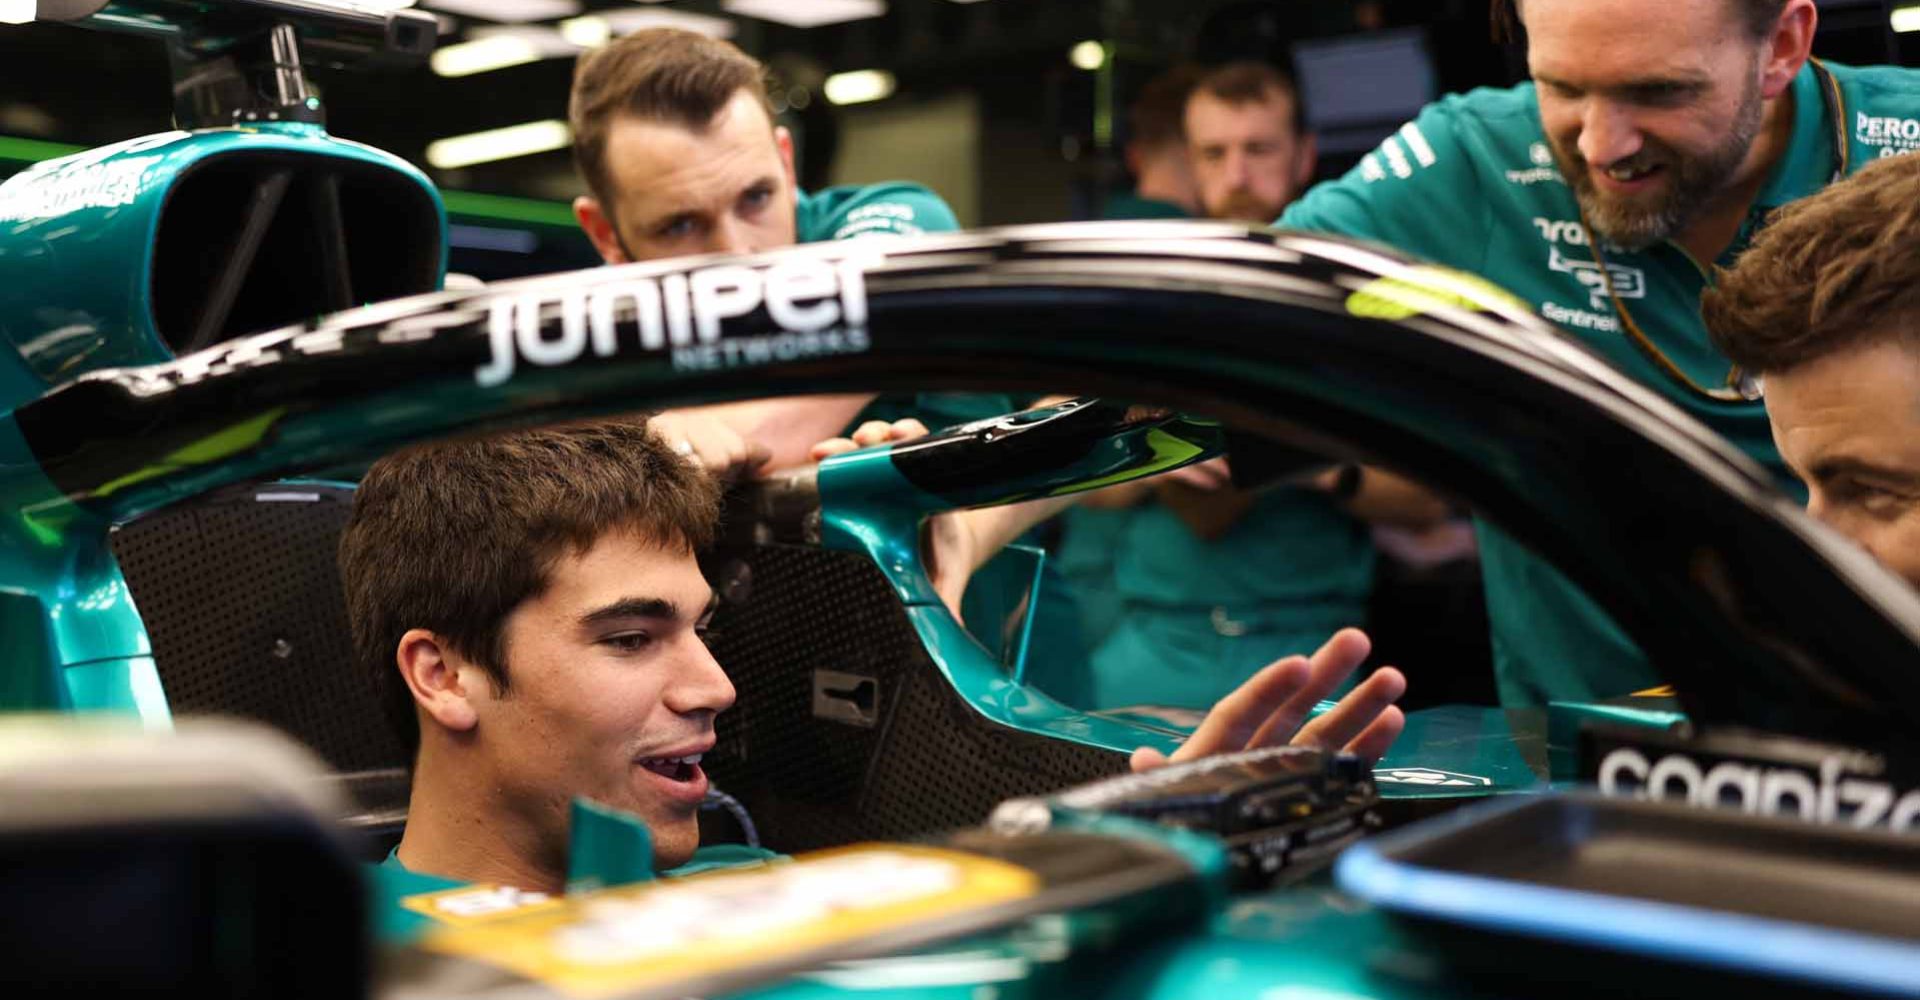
(655, 933)
(1663, 691)
(1422, 290)
(478, 904)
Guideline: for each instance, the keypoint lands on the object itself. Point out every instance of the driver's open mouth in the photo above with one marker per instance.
(673, 768)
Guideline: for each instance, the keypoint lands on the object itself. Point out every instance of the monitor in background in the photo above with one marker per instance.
(1359, 88)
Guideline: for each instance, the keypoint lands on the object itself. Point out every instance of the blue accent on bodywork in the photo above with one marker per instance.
(1684, 934)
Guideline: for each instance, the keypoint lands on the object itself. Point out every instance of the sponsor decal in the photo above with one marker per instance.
(1827, 794)
(891, 218)
(1774, 776)
(1543, 170)
(654, 935)
(1430, 777)
(112, 184)
(820, 306)
(1538, 175)
(1578, 319)
(1892, 136)
(1628, 282)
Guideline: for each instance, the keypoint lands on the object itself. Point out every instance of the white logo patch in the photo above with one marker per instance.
(1628, 282)
(1403, 152)
(1430, 777)
(1892, 136)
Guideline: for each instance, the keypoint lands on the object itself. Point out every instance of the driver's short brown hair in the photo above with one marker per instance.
(660, 74)
(1829, 272)
(453, 535)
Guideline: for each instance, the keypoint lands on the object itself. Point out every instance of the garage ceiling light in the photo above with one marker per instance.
(806, 13)
(499, 144)
(1906, 19)
(483, 55)
(509, 11)
(17, 11)
(859, 86)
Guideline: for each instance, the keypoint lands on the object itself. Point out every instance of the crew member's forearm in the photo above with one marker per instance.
(995, 528)
(1387, 499)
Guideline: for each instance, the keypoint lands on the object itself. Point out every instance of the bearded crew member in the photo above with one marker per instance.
(1652, 142)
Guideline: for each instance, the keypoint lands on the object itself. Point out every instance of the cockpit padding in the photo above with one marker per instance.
(928, 763)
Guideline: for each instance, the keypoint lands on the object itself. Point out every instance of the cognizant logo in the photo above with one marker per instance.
(1830, 796)
(819, 305)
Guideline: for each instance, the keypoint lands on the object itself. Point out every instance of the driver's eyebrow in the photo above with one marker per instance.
(632, 607)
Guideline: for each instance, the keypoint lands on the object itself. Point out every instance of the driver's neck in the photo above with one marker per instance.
(457, 829)
(1718, 223)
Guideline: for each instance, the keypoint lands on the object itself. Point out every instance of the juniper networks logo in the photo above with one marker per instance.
(819, 307)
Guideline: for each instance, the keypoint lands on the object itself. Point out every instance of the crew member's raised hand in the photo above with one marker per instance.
(710, 442)
(867, 435)
(1271, 707)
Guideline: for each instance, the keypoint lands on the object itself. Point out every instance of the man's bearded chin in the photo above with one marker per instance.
(1245, 206)
(1692, 183)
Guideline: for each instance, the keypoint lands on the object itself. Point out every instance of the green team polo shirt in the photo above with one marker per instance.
(893, 209)
(1471, 183)
(1176, 620)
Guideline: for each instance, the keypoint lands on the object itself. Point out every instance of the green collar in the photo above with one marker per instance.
(1809, 163)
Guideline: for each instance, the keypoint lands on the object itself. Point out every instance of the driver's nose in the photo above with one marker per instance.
(700, 685)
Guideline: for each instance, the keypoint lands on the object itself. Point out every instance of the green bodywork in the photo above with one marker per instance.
(77, 241)
(77, 245)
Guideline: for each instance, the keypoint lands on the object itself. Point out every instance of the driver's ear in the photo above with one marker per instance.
(432, 672)
(598, 226)
(783, 140)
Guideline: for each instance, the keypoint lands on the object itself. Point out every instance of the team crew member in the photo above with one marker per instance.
(1654, 139)
(530, 609)
(1825, 307)
(675, 139)
(1164, 188)
(1214, 582)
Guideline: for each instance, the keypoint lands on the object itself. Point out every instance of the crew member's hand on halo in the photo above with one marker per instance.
(710, 442)
(950, 541)
(1269, 708)
(867, 435)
